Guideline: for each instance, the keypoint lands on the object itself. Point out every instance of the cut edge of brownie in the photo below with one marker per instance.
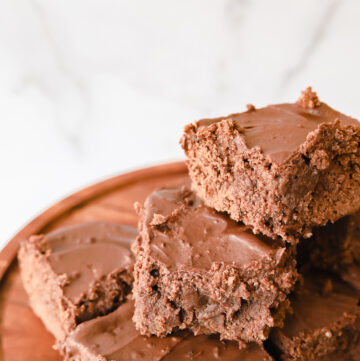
(167, 300)
(340, 337)
(45, 288)
(319, 182)
(38, 279)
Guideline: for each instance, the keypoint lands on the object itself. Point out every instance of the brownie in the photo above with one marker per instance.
(282, 169)
(334, 248)
(114, 337)
(197, 269)
(77, 273)
(325, 323)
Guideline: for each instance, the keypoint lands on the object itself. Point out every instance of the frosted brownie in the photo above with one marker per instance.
(114, 337)
(282, 169)
(197, 269)
(325, 324)
(334, 248)
(76, 273)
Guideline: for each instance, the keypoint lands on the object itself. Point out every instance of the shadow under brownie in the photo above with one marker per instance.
(77, 273)
(197, 269)
(282, 169)
(334, 248)
(114, 337)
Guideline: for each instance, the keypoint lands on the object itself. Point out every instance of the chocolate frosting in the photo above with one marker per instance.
(209, 348)
(114, 337)
(279, 129)
(319, 303)
(93, 249)
(187, 234)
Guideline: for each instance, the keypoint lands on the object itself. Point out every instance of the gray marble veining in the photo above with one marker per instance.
(92, 88)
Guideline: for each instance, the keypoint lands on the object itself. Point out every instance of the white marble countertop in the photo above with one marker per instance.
(89, 89)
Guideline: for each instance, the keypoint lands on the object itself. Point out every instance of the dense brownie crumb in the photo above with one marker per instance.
(121, 342)
(309, 99)
(324, 325)
(197, 269)
(77, 273)
(282, 169)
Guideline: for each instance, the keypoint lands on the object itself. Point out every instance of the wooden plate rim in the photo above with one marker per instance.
(8, 254)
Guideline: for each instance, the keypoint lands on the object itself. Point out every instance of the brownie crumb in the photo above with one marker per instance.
(250, 107)
(327, 287)
(309, 99)
(158, 219)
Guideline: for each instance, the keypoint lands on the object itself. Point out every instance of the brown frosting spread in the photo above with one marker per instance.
(114, 337)
(187, 234)
(320, 303)
(209, 348)
(88, 252)
(279, 129)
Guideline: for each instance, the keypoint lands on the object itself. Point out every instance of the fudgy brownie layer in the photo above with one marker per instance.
(334, 248)
(325, 323)
(197, 269)
(76, 273)
(114, 337)
(282, 169)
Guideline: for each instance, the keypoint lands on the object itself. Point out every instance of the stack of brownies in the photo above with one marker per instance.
(258, 260)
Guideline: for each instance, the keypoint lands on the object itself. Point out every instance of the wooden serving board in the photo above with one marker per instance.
(22, 335)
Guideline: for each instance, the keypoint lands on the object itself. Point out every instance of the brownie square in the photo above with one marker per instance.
(324, 325)
(77, 273)
(197, 269)
(282, 169)
(334, 248)
(114, 337)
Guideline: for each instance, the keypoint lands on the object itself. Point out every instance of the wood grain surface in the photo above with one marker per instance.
(22, 335)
